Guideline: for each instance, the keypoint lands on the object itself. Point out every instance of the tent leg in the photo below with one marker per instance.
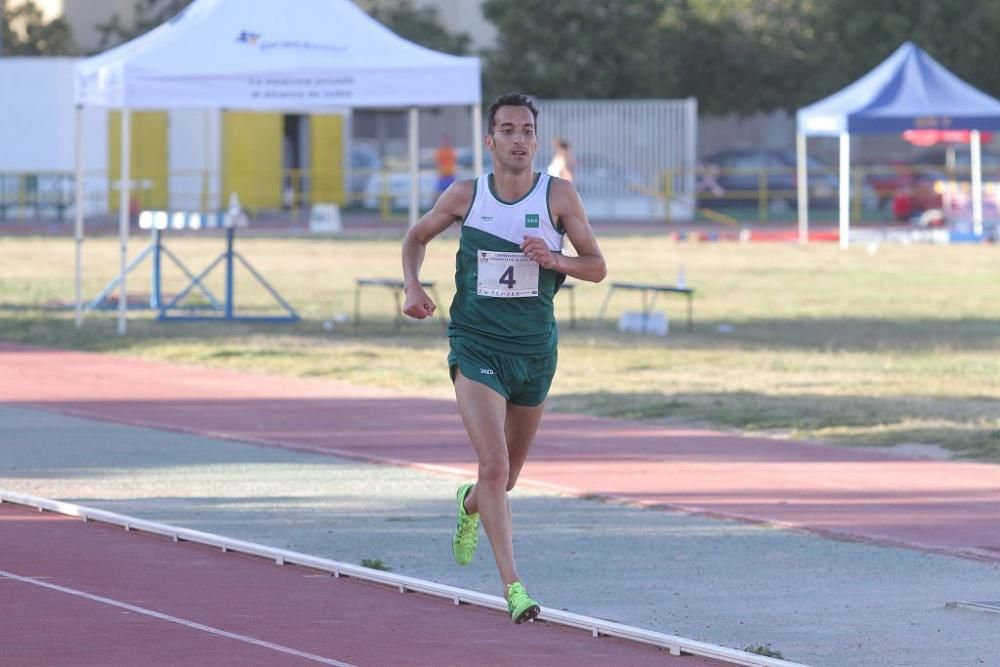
(78, 214)
(414, 165)
(123, 217)
(802, 184)
(845, 190)
(477, 139)
(977, 182)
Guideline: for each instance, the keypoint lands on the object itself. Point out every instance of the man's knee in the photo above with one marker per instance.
(495, 471)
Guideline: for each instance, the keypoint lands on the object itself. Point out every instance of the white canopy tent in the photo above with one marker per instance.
(306, 55)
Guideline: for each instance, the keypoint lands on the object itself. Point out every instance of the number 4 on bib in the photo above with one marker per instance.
(508, 278)
(506, 275)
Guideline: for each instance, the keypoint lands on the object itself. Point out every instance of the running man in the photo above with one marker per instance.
(503, 334)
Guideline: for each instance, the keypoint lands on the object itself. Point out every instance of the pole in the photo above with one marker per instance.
(802, 186)
(123, 217)
(477, 139)
(78, 215)
(206, 174)
(230, 291)
(977, 183)
(845, 189)
(414, 165)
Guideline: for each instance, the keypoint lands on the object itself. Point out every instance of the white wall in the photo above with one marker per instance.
(37, 118)
(190, 152)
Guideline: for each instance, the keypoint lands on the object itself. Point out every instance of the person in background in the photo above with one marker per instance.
(562, 164)
(446, 160)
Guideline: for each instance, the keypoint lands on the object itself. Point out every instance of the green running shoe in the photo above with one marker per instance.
(463, 544)
(521, 606)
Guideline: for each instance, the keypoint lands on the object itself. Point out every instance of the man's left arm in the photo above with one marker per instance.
(568, 210)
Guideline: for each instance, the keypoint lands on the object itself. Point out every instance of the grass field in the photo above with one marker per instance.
(900, 345)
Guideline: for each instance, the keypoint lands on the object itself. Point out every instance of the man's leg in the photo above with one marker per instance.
(520, 427)
(483, 412)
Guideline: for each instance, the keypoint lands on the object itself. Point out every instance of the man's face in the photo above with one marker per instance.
(513, 141)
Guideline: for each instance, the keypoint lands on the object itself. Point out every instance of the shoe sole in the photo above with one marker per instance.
(528, 614)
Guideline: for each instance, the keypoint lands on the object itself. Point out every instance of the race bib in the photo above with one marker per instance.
(506, 274)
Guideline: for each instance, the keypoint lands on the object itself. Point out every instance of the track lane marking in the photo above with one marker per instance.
(175, 619)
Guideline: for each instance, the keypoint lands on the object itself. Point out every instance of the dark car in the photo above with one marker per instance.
(734, 177)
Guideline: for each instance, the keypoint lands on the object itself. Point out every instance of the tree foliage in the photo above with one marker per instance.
(24, 32)
(733, 55)
(421, 25)
(576, 49)
(148, 15)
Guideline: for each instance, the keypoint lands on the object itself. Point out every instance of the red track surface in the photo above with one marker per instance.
(344, 620)
(942, 506)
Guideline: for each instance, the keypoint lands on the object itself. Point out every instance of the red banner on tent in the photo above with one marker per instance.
(931, 137)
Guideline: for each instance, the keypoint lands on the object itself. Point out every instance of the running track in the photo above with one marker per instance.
(941, 506)
(82, 594)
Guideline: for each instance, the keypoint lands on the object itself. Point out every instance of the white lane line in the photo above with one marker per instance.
(179, 621)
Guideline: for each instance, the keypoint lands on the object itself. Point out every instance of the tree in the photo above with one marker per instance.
(24, 32)
(852, 36)
(734, 56)
(422, 26)
(573, 48)
(148, 15)
(740, 56)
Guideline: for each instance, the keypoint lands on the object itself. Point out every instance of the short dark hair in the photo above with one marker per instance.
(509, 100)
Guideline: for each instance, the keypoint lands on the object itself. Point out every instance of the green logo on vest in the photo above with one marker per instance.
(531, 220)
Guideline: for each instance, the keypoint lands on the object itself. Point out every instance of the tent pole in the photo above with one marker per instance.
(414, 165)
(802, 184)
(977, 183)
(845, 189)
(477, 139)
(206, 162)
(125, 161)
(78, 215)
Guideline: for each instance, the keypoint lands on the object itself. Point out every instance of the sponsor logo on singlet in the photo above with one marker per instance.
(531, 220)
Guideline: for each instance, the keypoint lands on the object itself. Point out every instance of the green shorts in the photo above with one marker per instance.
(521, 379)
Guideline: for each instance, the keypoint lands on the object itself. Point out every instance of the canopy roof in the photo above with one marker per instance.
(263, 54)
(909, 90)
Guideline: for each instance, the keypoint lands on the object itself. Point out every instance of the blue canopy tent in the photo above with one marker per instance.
(909, 90)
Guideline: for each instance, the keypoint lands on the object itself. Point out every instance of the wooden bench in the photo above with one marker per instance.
(649, 293)
(395, 286)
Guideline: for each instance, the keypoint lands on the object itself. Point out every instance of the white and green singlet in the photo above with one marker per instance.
(503, 299)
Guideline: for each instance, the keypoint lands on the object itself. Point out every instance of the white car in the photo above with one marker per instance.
(393, 187)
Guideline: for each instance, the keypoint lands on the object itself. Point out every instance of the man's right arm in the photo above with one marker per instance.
(450, 206)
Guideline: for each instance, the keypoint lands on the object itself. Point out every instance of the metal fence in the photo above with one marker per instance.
(635, 159)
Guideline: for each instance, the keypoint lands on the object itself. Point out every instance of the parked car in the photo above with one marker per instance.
(596, 175)
(913, 187)
(394, 185)
(733, 178)
(365, 161)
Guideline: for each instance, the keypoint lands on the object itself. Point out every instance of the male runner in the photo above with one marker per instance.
(503, 333)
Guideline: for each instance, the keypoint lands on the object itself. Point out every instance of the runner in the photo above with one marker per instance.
(503, 334)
